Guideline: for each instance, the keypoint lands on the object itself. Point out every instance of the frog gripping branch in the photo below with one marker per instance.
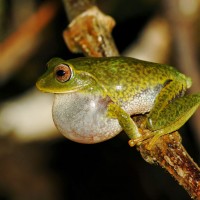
(97, 98)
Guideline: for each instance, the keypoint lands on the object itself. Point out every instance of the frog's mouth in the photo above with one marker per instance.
(42, 85)
(71, 90)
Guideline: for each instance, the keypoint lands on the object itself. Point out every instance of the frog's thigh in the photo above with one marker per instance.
(175, 114)
(167, 94)
(125, 121)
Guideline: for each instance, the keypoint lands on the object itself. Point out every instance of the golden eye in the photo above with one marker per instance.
(62, 73)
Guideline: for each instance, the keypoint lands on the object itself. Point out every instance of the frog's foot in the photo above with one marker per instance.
(154, 140)
(133, 142)
(147, 135)
(137, 141)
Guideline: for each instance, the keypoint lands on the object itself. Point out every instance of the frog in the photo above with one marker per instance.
(96, 98)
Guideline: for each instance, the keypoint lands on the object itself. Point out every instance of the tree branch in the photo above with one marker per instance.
(75, 7)
(170, 154)
(89, 32)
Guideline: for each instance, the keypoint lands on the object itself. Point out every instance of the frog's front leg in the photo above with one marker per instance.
(127, 124)
(169, 112)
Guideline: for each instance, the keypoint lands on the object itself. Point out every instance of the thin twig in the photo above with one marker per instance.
(171, 155)
(90, 31)
(75, 7)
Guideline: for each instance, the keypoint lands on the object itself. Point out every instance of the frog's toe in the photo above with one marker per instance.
(137, 141)
(153, 141)
(132, 142)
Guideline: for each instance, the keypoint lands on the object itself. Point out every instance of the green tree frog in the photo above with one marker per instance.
(96, 97)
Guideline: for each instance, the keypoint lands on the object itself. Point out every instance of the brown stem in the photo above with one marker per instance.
(90, 31)
(170, 154)
(76, 7)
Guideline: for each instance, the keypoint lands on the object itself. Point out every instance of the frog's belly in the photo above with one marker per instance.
(143, 102)
(82, 118)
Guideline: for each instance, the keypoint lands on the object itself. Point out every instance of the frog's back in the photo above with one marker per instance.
(127, 69)
(125, 76)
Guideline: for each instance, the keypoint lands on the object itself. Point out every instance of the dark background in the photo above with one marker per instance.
(56, 168)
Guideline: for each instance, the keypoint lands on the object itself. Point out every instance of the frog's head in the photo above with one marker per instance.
(62, 77)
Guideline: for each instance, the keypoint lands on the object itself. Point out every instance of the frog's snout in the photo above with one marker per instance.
(40, 84)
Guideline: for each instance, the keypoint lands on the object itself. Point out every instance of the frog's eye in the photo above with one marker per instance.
(62, 73)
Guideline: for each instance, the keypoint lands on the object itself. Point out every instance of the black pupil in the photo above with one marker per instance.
(60, 73)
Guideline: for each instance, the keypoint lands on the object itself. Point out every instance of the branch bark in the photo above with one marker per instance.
(90, 33)
(170, 154)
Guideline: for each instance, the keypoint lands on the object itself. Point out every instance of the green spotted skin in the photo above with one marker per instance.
(99, 97)
(123, 77)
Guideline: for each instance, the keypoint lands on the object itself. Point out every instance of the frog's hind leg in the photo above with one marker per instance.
(171, 109)
(169, 93)
(174, 115)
